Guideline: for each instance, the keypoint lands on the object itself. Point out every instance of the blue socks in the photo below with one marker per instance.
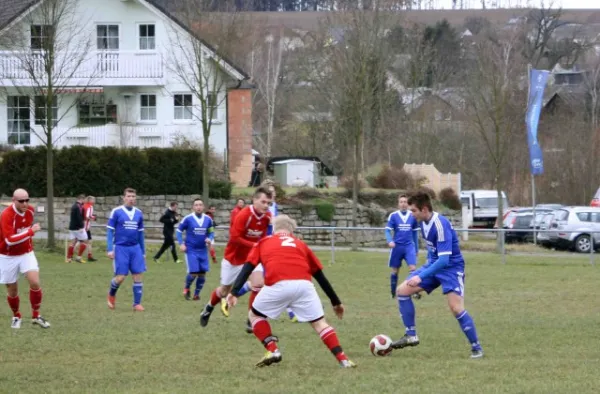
(114, 286)
(199, 285)
(468, 327)
(290, 313)
(138, 290)
(244, 289)
(393, 283)
(188, 281)
(407, 312)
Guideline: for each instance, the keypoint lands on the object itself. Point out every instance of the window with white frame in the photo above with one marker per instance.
(212, 105)
(147, 107)
(107, 37)
(40, 110)
(182, 104)
(18, 118)
(147, 33)
(40, 36)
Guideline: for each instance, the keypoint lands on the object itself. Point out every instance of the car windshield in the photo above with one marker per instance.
(562, 214)
(490, 202)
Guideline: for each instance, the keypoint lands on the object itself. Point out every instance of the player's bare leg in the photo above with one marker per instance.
(457, 307)
(416, 296)
(215, 298)
(257, 281)
(262, 331)
(330, 339)
(35, 298)
(115, 283)
(407, 311)
(12, 296)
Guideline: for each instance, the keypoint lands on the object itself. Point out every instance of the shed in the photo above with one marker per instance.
(288, 171)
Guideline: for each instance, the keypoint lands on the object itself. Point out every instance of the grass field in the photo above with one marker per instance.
(537, 318)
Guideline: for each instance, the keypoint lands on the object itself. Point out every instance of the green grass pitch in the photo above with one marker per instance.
(537, 319)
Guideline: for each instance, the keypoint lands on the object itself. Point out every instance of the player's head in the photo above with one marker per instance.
(420, 205)
(90, 200)
(129, 197)
(81, 198)
(173, 205)
(403, 202)
(261, 200)
(212, 209)
(284, 223)
(21, 199)
(240, 203)
(198, 206)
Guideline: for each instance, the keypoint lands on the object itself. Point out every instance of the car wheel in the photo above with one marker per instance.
(583, 244)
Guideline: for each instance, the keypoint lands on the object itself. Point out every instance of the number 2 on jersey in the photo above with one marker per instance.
(288, 241)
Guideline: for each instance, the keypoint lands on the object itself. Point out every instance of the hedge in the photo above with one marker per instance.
(107, 171)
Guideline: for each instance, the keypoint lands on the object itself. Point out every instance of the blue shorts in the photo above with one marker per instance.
(451, 279)
(129, 259)
(402, 252)
(197, 261)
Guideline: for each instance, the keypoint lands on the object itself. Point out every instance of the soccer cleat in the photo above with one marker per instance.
(111, 302)
(186, 294)
(205, 315)
(269, 358)
(138, 308)
(91, 259)
(80, 260)
(249, 329)
(196, 298)
(294, 319)
(40, 321)
(157, 261)
(347, 364)
(477, 353)
(15, 323)
(406, 340)
(224, 307)
(178, 261)
(68, 260)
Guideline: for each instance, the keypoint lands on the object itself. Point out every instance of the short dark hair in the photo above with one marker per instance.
(129, 190)
(402, 196)
(261, 190)
(197, 199)
(173, 203)
(212, 206)
(420, 200)
(81, 197)
(241, 199)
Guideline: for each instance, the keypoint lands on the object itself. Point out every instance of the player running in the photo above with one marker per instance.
(289, 267)
(125, 229)
(199, 236)
(445, 267)
(404, 243)
(16, 255)
(250, 225)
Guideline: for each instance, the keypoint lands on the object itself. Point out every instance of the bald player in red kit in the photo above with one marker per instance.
(250, 225)
(289, 268)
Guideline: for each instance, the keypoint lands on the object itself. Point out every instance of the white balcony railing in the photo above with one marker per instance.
(93, 66)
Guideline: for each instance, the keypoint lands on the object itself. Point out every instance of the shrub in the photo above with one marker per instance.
(393, 178)
(325, 210)
(376, 218)
(347, 183)
(307, 193)
(450, 199)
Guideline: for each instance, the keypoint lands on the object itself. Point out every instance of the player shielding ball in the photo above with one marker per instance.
(17, 256)
(289, 267)
(445, 267)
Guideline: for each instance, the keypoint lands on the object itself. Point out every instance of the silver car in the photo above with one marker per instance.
(544, 222)
(576, 227)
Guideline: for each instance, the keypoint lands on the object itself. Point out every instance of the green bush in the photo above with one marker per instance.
(450, 199)
(325, 210)
(107, 171)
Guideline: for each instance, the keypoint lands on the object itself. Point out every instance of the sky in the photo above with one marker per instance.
(567, 4)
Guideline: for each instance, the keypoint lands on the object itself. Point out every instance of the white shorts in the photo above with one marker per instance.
(80, 235)
(259, 268)
(10, 266)
(298, 295)
(229, 273)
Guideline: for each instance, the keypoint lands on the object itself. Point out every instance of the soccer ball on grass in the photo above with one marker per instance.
(381, 345)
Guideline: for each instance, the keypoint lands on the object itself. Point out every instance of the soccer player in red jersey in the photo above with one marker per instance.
(16, 255)
(88, 217)
(250, 225)
(289, 267)
(239, 205)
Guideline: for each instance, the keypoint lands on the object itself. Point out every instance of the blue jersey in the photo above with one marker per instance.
(127, 225)
(404, 225)
(441, 240)
(197, 229)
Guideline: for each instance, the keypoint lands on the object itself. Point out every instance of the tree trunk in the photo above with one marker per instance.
(205, 167)
(50, 189)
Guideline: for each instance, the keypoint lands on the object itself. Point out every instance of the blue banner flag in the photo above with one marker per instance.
(537, 83)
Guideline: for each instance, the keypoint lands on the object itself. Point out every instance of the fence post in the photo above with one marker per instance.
(332, 245)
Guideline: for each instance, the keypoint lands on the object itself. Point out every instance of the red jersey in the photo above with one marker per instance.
(247, 229)
(232, 215)
(284, 257)
(88, 216)
(15, 231)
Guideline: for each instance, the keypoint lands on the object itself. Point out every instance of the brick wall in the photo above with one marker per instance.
(239, 120)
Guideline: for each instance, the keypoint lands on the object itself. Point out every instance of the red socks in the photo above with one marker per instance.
(70, 251)
(81, 249)
(214, 298)
(330, 339)
(35, 297)
(251, 298)
(13, 302)
(262, 331)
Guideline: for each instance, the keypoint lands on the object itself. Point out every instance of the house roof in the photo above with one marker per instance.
(12, 9)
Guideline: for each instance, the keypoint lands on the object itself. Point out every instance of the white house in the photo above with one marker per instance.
(123, 89)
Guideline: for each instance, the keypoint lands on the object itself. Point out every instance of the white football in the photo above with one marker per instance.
(381, 345)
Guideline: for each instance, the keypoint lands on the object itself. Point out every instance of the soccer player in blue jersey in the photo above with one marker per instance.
(125, 245)
(199, 235)
(445, 267)
(401, 234)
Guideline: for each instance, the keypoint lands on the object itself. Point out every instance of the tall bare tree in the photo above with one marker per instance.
(49, 52)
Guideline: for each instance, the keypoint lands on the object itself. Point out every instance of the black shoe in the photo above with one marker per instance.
(205, 315)
(187, 295)
(91, 259)
(249, 327)
(406, 340)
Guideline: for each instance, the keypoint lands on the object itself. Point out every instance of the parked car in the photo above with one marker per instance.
(520, 221)
(575, 228)
(547, 239)
(510, 217)
(596, 200)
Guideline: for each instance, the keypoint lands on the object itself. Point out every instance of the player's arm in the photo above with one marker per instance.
(389, 237)
(164, 218)
(416, 230)
(444, 250)
(211, 232)
(317, 272)
(10, 236)
(237, 231)
(180, 230)
(141, 235)
(110, 231)
(253, 260)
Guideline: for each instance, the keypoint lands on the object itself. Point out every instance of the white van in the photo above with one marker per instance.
(482, 206)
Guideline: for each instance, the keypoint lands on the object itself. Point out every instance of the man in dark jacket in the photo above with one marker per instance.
(169, 219)
(77, 231)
